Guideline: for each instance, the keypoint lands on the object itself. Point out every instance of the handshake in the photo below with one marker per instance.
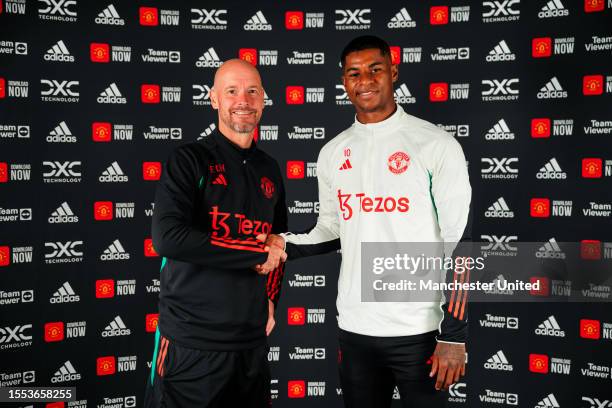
(275, 247)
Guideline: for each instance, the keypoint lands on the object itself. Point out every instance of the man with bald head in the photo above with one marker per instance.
(216, 201)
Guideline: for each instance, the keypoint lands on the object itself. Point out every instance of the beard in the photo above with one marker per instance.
(239, 126)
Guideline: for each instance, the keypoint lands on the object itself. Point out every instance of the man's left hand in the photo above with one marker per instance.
(271, 322)
(448, 361)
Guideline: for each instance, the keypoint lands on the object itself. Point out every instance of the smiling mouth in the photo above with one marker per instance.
(367, 93)
(243, 113)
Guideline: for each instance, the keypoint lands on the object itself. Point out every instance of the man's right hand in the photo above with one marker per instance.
(276, 255)
(276, 241)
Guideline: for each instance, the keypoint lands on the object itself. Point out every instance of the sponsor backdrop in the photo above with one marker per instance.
(93, 96)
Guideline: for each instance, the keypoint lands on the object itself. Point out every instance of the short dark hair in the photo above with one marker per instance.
(366, 42)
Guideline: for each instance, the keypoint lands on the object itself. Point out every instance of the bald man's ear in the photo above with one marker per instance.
(213, 98)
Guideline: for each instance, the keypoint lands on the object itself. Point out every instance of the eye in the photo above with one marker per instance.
(354, 75)
(254, 91)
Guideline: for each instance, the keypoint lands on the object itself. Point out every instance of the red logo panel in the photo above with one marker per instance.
(103, 210)
(151, 321)
(5, 256)
(54, 331)
(538, 363)
(540, 207)
(438, 15)
(593, 85)
(105, 365)
(151, 171)
(294, 95)
(2, 88)
(296, 389)
(149, 16)
(249, 55)
(296, 316)
(99, 52)
(438, 92)
(544, 286)
(541, 47)
(3, 172)
(105, 288)
(295, 169)
(396, 55)
(101, 131)
(590, 329)
(590, 250)
(294, 20)
(149, 250)
(540, 128)
(592, 168)
(591, 6)
(150, 93)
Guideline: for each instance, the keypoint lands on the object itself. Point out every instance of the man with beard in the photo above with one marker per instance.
(390, 177)
(215, 197)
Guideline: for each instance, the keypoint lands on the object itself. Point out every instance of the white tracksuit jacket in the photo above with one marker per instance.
(362, 172)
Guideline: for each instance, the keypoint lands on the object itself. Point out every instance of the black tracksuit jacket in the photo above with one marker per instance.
(213, 199)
